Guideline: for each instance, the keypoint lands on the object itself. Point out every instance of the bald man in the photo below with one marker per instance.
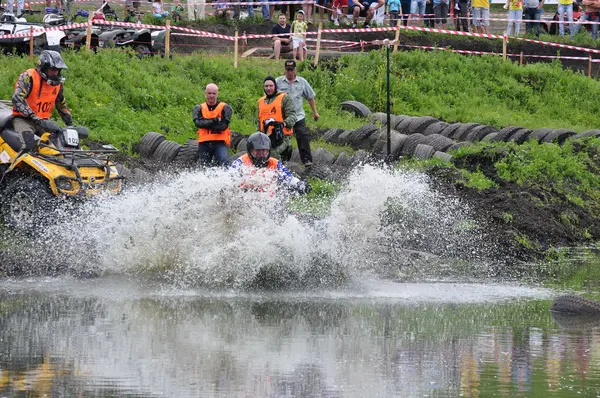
(212, 119)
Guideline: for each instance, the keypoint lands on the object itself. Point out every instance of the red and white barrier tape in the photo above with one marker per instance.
(549, 43)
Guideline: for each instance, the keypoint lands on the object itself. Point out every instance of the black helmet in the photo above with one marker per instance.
(259, 140)
(51, 59)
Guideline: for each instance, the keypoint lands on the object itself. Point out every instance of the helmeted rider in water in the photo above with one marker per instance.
(258, 156)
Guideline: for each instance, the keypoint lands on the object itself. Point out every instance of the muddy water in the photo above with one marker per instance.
(171, 315)
(115, 337)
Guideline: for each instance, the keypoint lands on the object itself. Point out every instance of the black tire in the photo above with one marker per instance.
(424, 151)
(461, 133)
(559, 136)
(149, 143)
(166, 152)
(449, 130)
(435, 128)
(420, 124)
(396, 142)
(539, 134)
(359, 139)
(332, 135)
(520, 136)
(379, 118)
(188, 154)
(439, 142)
(358, 108)
(26, 203)
(402, 127)
(575, 305)
(235, 139)
(411, 143)
(446, 157)
(589, 133)
(321, 172)
(489, 137)
(344, 138)
(241, 146)
(479, 132)
(396, 120)
(506, 132)
(322, 156)
(343, 160)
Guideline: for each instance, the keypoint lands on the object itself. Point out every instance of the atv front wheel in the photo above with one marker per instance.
(26, 203)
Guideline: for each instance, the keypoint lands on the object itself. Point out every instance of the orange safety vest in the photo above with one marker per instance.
(273, 110)
(212, 135)
(266, 187)
(272, 164)
(42, 97)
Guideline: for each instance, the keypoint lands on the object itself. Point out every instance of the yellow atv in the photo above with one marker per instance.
(31, 182)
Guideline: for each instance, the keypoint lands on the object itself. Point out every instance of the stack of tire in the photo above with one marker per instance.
(426, 137)
(155, 146)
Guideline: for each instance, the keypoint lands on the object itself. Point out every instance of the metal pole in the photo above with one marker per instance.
(388, 106)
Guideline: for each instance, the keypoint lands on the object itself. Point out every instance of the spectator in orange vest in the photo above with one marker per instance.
(212, 119)
(276, 118)
(37, 92)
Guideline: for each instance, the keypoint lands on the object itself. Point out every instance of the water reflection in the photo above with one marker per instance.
(58, 344)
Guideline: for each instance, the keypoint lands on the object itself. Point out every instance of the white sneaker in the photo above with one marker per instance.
(336, 22)
(353, 26)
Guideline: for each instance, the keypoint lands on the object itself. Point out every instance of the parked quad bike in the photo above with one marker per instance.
(56, 167)
(9, 24)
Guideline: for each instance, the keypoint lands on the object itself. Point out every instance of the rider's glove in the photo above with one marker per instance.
(48, 125)
(304, 188)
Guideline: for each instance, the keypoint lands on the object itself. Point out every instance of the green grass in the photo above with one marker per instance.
(120, 97)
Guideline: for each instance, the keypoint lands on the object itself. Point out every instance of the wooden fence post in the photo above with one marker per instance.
(88, 37)
(318, 51)
(590, 66)
(168, 39)
(504, 47)
(31, 43)
(235, 50)
(397, 38)
(521, 58)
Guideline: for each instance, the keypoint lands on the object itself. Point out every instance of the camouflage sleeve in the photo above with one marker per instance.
(62, 108)
(289, 111)
(19, 98)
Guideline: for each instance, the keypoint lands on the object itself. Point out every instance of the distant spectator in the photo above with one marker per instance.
(592, 13)
(340, 10)
(323, 4)
(283, 43)
(158, 10)
(515, 15)
(481, 15)
(440, 11)
(405, 6)
(57, 2)
(394, 11)
(429, 12)
(461, 15)
(532, 11)
(308, 11)
(299, 28)
(565, 6)
(177, 11)
(223, 10)
(362, 8)
(20, 5)
(417, 7)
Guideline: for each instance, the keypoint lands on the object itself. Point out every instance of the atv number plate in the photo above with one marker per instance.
(71, 137)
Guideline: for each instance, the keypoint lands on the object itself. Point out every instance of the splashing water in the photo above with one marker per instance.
(199, 228)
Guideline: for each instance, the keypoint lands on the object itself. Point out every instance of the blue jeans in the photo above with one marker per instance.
(568, 8)
(514, 18)
(213, 149)
(587, 17)
(533, 14)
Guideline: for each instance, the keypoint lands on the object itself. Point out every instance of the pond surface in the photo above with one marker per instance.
(122, 337)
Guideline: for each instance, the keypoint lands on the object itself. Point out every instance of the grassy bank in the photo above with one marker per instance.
(121, 97)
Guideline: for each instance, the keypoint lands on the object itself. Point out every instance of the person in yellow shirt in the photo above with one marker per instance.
(565, 7)
(515, 15)
(481, 15)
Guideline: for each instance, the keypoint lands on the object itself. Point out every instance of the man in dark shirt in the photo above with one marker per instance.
(212, 119)
(283, 43)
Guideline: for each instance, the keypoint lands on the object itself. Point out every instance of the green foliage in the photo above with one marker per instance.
(523, 240)
(120, 97)
(477, 180)
(565, 168)
(507, 217)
